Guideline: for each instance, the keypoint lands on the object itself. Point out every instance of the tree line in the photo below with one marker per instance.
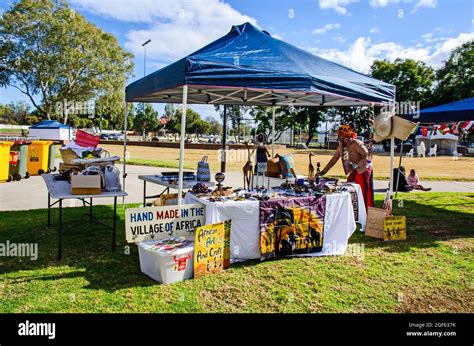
(61, 62)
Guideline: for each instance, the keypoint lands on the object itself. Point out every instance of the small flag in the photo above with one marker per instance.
(424, 131)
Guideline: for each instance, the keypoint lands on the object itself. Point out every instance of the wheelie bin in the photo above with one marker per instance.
(18, 160)
(52, 156)
(4, 161)
(38, 156)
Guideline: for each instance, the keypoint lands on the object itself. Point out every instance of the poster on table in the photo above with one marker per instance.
(212, 248)
(291, 226)
(148, 223)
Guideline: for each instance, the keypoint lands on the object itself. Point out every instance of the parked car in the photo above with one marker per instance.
(116, 136)
(104, 136)
(470, 148)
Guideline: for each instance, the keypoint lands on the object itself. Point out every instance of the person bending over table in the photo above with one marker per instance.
(355, 161)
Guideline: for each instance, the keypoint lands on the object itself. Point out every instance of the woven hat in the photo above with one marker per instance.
(382, 126)
(402, 128)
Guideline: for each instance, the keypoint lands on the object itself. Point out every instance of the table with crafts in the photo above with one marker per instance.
(61, 190)
(158, 180)
(339, 213)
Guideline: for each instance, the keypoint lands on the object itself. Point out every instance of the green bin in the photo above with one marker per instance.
(52, 156)
(19, 159)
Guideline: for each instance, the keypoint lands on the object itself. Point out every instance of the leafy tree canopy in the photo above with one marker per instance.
(55, 53)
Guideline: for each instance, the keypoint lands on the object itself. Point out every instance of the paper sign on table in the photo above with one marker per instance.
(212, 248)
(147, 223)
(394, 228)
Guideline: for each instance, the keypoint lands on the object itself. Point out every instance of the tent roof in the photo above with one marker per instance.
(249, 67)
(49, 124)
(454, 111)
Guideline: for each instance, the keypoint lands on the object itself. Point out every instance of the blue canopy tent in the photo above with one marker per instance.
(449, 112)
(249, 67)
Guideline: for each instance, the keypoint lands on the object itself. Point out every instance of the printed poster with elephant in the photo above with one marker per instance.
(291, 226)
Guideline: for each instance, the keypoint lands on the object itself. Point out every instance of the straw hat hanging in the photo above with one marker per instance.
(387, 125)
(382, 126)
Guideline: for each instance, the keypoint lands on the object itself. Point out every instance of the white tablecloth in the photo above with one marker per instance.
(339, 223)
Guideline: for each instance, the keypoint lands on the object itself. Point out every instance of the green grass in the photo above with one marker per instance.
(156, 163)
(432, 271)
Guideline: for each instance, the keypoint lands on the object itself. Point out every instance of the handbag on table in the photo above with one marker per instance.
(203, 171)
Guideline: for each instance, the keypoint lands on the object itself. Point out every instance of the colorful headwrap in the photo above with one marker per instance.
(346, 131)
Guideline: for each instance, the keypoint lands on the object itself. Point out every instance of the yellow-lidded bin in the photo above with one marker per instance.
(38, 154)
(5, 160)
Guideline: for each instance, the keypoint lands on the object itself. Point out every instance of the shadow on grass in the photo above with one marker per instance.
(428, 222)
(87, 249)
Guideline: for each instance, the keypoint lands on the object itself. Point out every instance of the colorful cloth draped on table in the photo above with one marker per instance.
(290, 226)
(366, 182)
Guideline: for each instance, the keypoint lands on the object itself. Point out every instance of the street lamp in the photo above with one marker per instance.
(144, 59)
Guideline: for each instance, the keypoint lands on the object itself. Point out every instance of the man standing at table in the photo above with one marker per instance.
(355, 161)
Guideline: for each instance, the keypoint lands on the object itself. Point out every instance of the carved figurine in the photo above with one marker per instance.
(247, 169)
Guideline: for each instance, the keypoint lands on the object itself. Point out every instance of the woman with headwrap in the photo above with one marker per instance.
(355, 161)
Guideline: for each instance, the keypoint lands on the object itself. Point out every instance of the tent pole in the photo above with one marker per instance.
(399, 165)
(392, 156)
(125, 126)
(181, 145)
(273, 131)
(224, 135)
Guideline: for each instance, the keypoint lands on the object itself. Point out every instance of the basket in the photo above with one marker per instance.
(85, 139)
(68, 155)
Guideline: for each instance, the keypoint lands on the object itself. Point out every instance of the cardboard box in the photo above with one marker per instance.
(86, 185)
(384, 227)
(375, 221)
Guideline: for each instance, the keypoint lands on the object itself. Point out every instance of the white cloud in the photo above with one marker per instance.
(382, 3)
(375, 30)
(327, 28)
(176, 27)
(418, 3)
(337, 5)
(360, 55)
(424, 3)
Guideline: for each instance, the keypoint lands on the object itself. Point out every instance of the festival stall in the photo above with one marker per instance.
(311, 217)
(446, 144)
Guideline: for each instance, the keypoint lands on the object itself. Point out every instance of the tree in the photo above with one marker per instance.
(15, 113)
(146, 119)
(235, 114)
(112, 110)
(4, 72)
(456, 77)
(54, 52)
(215, 126)
(194, 123)
(308, 119)
(263, 115)
(412, 78)
(357, 116)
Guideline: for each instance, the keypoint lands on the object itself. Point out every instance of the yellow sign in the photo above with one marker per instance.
(394, 228)
(211, 248)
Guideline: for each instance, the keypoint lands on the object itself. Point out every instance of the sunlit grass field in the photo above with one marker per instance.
(432, 271)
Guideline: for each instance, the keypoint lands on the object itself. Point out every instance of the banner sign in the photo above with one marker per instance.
(163, 222)
(394, 228)
(291, 225)
(212, 248)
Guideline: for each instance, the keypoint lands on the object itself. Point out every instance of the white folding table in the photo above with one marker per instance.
(61, 190)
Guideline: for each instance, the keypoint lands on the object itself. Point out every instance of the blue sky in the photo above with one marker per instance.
(351, 32)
